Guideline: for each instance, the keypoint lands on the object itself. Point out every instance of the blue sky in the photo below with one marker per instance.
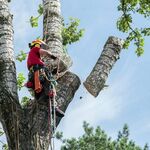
(126, 100)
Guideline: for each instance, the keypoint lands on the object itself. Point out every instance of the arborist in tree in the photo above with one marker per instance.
(39, 74)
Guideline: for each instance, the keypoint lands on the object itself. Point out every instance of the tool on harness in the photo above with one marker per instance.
(37, 83)
(35, 78)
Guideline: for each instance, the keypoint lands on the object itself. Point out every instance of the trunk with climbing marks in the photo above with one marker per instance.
(95, 82)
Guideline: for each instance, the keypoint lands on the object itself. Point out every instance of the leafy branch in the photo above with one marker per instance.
(70, 32)
(124, 23)
(21, 56)
(34, 20)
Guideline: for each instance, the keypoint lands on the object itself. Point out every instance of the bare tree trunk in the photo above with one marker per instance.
(96, 80)
(8, 87)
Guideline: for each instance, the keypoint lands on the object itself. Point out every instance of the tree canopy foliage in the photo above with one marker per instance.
(97, 139)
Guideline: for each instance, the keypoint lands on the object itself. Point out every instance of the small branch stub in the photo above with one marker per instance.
(96, 80)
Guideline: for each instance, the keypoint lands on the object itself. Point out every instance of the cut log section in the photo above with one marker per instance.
(95, 82)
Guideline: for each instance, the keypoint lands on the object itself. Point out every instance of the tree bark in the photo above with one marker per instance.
(38, 115)
(9, 103)
(52, 35)
(27, 128)
(96, 80)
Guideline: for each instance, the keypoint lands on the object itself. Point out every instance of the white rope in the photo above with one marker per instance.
(52, 119)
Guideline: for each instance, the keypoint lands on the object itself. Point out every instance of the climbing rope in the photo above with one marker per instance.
(52, 116)
(49, 121)
(51, 107)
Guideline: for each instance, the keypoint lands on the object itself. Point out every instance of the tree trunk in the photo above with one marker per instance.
(95, 82)
(8, 88)
(27, 128)
(52, 35)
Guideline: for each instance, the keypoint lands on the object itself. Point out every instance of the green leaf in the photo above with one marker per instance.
(21, 56)
(25, 101)
(125, 22)
(34, 21)
(59, 135)
(146, 31)
(70, 32)
(1, 132)
(20, 81)
(5, 147)
(40, 9)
